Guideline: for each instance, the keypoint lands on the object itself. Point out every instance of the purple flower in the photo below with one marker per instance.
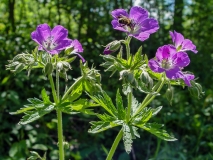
(136, 23)
(186, 77)
(182, 44)
(75, 48)
(171, 62)
(53, 41)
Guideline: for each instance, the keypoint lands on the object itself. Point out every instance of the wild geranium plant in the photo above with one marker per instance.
(55, 53)
(138, 73)
(49, 57)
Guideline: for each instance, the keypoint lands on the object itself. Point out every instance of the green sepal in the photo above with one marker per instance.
(48, 69)
(154, 128)
(138, 60)
(154, 75)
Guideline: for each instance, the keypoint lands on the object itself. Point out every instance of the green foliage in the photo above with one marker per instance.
(83, 23)
(118, 117)
(36, 109)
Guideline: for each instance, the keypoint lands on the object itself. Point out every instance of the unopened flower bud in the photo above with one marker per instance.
(127, 76)
(60, 66)
(146, 79)
(196, 89)
(18, 68)
(112, 47)
(169, 94)
(66, 145)
(19, 58)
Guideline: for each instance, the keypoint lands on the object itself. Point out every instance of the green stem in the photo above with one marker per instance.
(114, 145)
(150, 97)
(59, 118)
(129, 96)
(53, 88)
(127, 47)
(158, 148)
(60, 135)
(71, 88)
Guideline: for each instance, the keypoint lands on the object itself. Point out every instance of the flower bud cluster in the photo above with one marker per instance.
(20, 62)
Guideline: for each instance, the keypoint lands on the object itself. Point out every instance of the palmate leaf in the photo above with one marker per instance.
(154, 128)
(105, 101)
(36, 109)
(36, 114)
(35, 104)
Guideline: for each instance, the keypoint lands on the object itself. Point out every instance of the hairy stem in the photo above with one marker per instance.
(59, 114)
(127, 47)
(129, 96)
(59, 118)
(114, 145)
(53, 88)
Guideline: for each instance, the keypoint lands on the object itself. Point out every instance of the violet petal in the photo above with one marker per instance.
(154, 65)
(41, 33)
(188, 45)
(118, 12)
(181, 59)
(177, 38)
(138, 13)
(59, 33)
(171, 73)
(150, 25)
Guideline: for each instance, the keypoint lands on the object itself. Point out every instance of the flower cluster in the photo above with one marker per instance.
(171, 59)
(55, 40)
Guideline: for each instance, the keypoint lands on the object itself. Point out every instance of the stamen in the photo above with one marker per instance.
(49, 44)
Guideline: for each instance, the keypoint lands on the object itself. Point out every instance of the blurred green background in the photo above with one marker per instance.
(89, 21)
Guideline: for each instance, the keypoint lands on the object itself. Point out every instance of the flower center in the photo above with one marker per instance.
(179, 47)
(166, 64)
(49, 44)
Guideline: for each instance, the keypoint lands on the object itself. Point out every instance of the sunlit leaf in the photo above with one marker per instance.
(119, 105)
(154, 128)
